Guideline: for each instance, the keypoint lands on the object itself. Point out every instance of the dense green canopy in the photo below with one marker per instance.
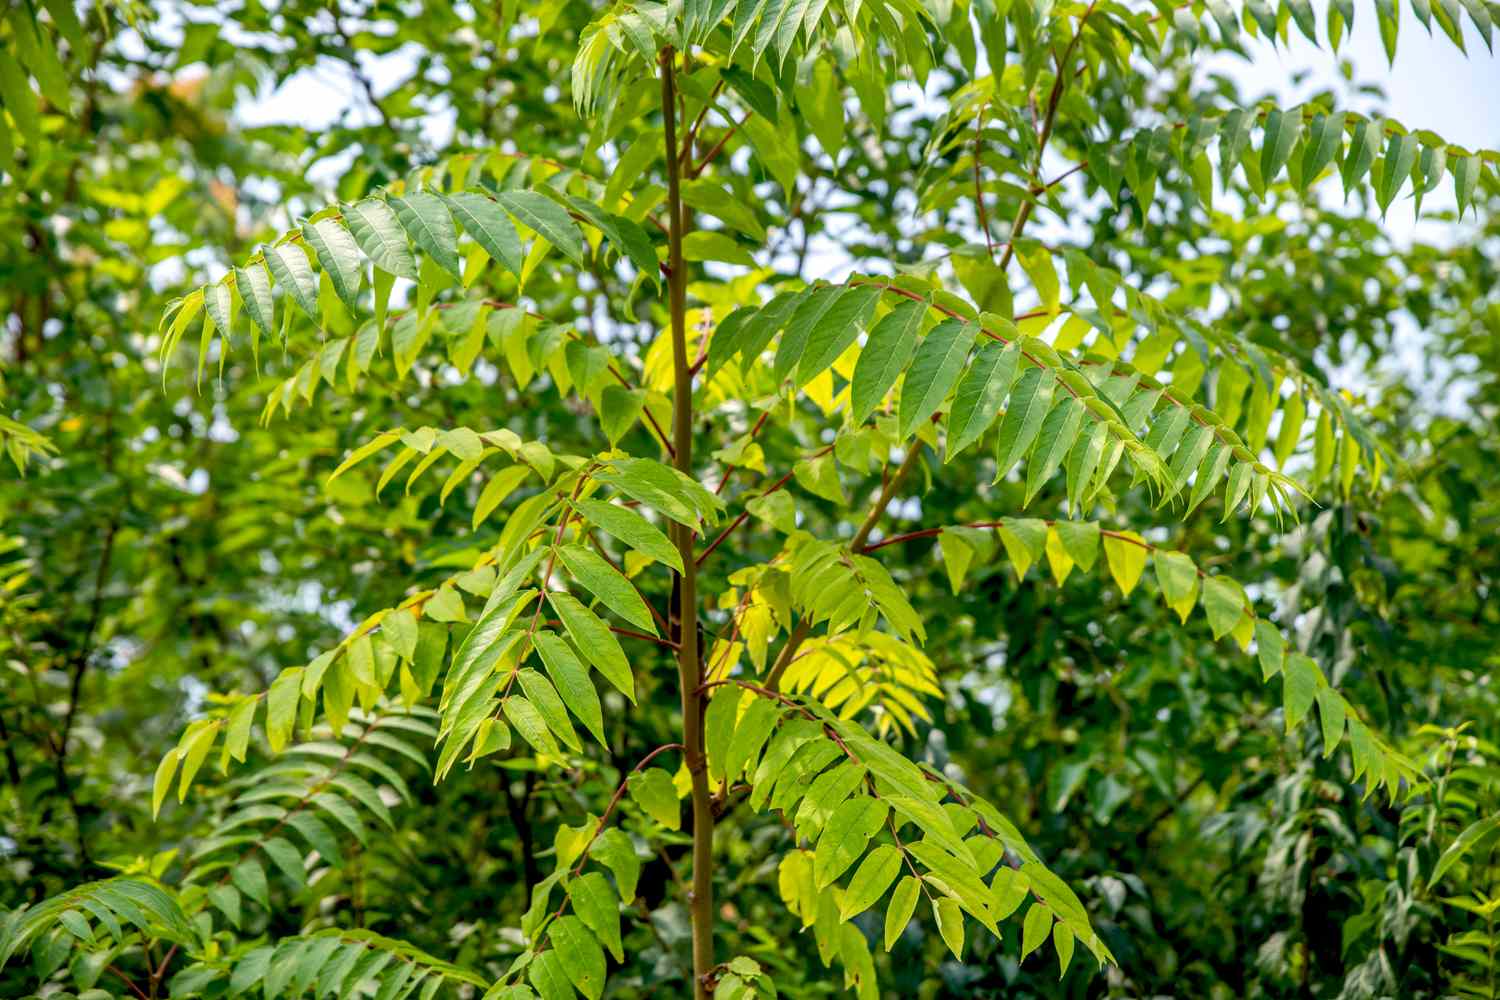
(896, 498)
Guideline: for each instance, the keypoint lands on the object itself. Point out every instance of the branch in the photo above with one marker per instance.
(614, 800)
(1059, 84)
(708, 157)
(689, 657)
(744, 515)
(75, 686)
(802, 629)
(984, 218)
(724, 479)
(650, 606)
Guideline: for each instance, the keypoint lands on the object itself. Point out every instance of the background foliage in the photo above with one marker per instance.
(176, 541)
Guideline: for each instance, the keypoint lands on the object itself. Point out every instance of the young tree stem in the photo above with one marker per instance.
(689, 658)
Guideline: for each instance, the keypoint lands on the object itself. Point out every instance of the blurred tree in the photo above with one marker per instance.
(757, 273)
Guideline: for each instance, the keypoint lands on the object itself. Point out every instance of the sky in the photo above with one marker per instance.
(1431, 85)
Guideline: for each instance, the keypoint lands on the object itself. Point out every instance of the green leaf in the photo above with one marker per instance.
(606, 583)
(728, 337)
(821, 103)
(709, 197)
(161, 784)
(1029, 404)
(19, 99)
(1025, 539)
(579, 952)
(1281, 133)
(1054, 441)
(1430, 165)
(1224, 604)
(1400, 154)
(251, 969)
(1062, 940)
(1331, 713)
(1036, 261)
(1461, 845)
(762, 326)
(1293, 412)
(250, 878)
(1233, 136)
(290, 267)
(1035, 928)
(317, 835)
(977, 399)
(1306, 20)
(1299, 688)
(364, 451)
(281, 707)
(632, 529)
(524, 716)
(594, 639)
(489, 226)
(750, 734)
(958, 556)
(426, 220)
(1270, 648)
(287, 860)
(853, 823)
(903, 904)
(1325, 138)
(935, 824)
(871, 879)
(835, 330)
(705, 244)
(400, 629)
(1360, 155)
(254, 285)
(597, 905)
(571, 678)
(1080, 540)
(218, 299)
(654, 791)
(547, 218)
(1126, 552)
(546, 973)
(378, 233)
(626, 236)
(338, 255)
(619, 409)
(195, 746)
(549, 705)
(662, 488)
(718, 726)
(1465, 170)
(934, 371)
(1178, 578)
(237, 728)
(808, 314)
(615, 850)
(226, 899)
(950, 921)
(885, 356)
(495, 492)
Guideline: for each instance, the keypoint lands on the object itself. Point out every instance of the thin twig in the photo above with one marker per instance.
(695, 171)
(803, 629)
(984, 218)
(1054, 98)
